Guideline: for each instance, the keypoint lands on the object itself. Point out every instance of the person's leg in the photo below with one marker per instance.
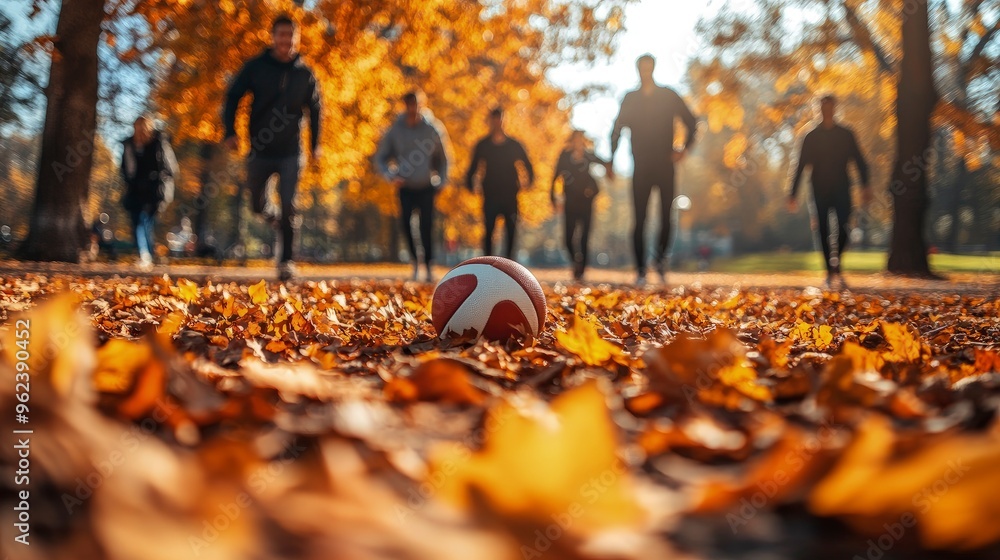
(642, 186)
(510, 225)
(586, 214)
(843, 210)
(490, 214)
(288, 181)
(407, 204)
(665, 181)
(426, 207)
(150, 221)
(823, 230)
(569, 227)
(137, 232)
(259, 171)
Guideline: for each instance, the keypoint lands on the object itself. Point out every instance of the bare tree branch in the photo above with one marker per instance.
(864, 39)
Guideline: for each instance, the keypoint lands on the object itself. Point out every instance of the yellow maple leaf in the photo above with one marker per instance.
(906, 347)
(559, 460)
(187, 290)
(258, 293)
(584, 340)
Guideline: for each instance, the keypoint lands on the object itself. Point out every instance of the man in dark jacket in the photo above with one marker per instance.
(650, 113)
(148, 169)
(827, 150)
(283, 87)
(501, 181)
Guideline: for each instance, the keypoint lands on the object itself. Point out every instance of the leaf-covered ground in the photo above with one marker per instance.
(324, 419)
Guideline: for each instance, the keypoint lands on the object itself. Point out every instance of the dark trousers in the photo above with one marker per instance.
(841, 205)
(579, 211)
(647, 176)
(259, 171)
(493, 210)
(422, 201)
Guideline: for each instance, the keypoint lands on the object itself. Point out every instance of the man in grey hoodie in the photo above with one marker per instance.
(413, 157)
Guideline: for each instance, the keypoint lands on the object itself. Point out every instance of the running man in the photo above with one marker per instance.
(827, 150)
(283, 88)
(500, 181)
(650, 113)
(413, 157)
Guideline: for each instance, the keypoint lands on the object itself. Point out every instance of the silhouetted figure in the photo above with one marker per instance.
(283, 89)
(650, 113)
(577, 200)
(827, 150)
(500, 155)
(413, 157)
(148, 169)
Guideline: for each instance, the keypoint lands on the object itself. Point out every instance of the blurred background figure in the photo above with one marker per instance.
(577, 200)
(413, 157)
(499, 154)
(827, 150)
(650, 113)
(148, 168)
(283, 88)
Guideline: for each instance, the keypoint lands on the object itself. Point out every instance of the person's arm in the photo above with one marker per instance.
(477, 155)
(170, 168)
(169, 158)
(237, 89)
(805, 158)
(384, 154)
(559, 172)
(442, 156)
(523, 156)
(315, 109)
(621, 121)
(689, 120)
(859, 160)
(127, 168)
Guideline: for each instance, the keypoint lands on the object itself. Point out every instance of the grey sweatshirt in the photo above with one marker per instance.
(415, 153)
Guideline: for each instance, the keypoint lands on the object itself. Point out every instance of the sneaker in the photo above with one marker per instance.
(429, 276)
(830, 283)
(661, 271)
(415, 275)
(640, 281)
(286, 271)
(145, 263)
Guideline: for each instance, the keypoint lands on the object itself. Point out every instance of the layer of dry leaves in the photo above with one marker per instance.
(326, 420)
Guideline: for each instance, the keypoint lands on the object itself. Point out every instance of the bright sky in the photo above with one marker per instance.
(663, 28)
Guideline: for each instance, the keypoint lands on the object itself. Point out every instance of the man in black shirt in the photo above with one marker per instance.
(827, 149)
(282, 87)
(500, 182)
(650, 113)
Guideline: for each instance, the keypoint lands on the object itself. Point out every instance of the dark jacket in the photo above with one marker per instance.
(828, 151)
(149, 172)
(500, 180)
(577, 180)
(651, 118)
(282, 91)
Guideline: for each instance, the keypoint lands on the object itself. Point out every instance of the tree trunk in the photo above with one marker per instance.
(915, 100)
(56, 229)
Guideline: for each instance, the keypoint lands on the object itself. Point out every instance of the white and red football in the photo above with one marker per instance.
(493, 296)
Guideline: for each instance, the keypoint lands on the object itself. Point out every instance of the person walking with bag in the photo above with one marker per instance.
(148, 168)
